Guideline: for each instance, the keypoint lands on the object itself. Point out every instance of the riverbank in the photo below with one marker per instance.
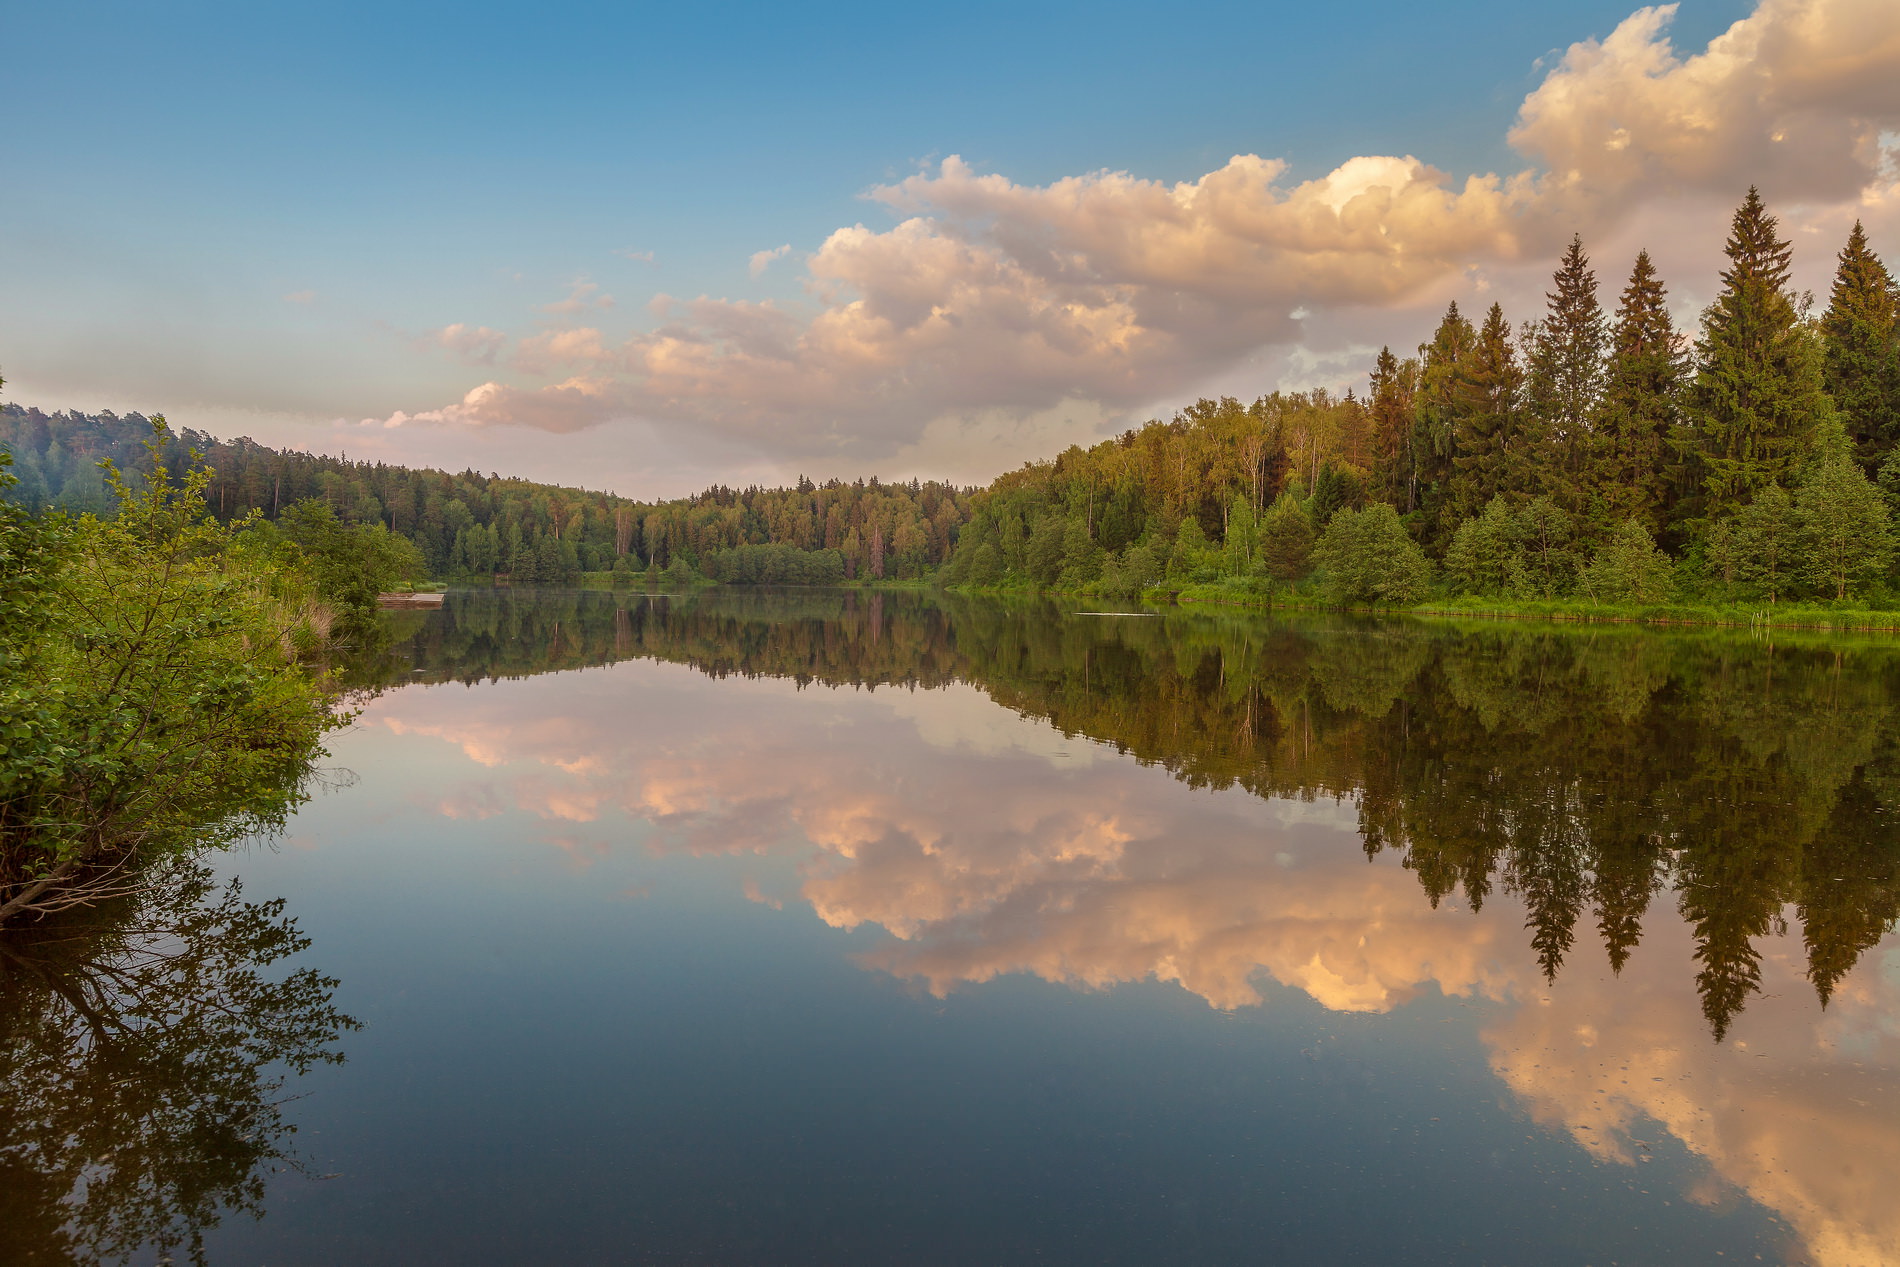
(1814, 617)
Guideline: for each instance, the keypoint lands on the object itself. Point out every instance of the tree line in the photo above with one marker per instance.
(470, 526)
(1591, 454)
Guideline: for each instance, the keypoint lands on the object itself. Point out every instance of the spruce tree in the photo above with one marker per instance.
(1861, 360)
(1393, 384)
(1628, 568)
(1438, 403)
(1640, 405)
(1565, 364)
(1489, 451)
(1846, 533)
(1758, 392)
(1286, 539)
(1487, 552)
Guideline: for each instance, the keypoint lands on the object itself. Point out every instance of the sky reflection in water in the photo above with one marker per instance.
(575, 912)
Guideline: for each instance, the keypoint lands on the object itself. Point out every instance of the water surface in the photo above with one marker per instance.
(833, 927)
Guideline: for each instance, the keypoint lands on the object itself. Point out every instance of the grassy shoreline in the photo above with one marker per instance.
(1791, 616)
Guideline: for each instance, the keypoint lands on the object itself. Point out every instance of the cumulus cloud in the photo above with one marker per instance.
(639, 257)
(302, 297)
(1793, 98)
(1114, 290)
(762, 260)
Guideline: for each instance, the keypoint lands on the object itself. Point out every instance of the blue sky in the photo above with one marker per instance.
(309, 224)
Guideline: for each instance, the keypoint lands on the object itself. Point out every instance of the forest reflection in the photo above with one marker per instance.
(144, 1049)
(1584, 772)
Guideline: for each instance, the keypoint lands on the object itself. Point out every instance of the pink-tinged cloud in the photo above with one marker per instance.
(1113, 290)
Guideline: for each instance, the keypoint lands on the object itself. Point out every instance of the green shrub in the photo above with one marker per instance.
(1366, 557)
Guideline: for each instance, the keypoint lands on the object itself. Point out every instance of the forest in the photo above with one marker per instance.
(470, 526)
(1590, 454)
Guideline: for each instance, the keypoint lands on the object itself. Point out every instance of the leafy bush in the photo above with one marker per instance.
(152, 702)
(1628, 568)
(1366, 556)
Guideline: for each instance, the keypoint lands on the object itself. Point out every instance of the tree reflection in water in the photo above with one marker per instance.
(144, 1051)
(1584, 770)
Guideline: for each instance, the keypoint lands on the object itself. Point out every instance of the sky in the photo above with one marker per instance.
(649, 248)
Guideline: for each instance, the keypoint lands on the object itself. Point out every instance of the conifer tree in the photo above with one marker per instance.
(1435, 417)
(1286, 539)
(1565, 364)
(1766, 544)
(1846, 535)
(1628, 568)
(1394, 383)
(1758, 392)
(1549, 562)
(1490, 455)
(1487, 552)
(1861, 358)
(1640, 404)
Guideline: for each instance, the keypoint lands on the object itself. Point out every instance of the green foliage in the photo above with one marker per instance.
(1286, 540)
(1761, 550)
(1493, 451)
(775, 565)
(350, 563)
(1549, 560)
(1565, 377)
(1758, 392)
(1861, 356)
(1242, 548)
(154, 704)
(1846, 532)
(1042, 555)
(469, 525)
(1640, 405)
(1190, 553)
(1366, 557)
(1487, 554)
(1081, 558)
(1628, 568)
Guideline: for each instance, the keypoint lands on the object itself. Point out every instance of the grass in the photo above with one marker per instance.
(1847, 617)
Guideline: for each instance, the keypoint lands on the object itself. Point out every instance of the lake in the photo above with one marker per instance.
(848, 927)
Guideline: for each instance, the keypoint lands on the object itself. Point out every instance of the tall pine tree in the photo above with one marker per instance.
(1394, 383)
(1435, 419)
(1640, 404)
(1565, 355)
(1862, 362)
(1758, 392)
(1489, 452)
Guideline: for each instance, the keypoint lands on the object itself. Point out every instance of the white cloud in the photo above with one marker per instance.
(639, 257)
(993, 298)
(762, 260)
(304, 297)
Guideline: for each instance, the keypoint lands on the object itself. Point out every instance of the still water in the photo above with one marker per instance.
(822, 927)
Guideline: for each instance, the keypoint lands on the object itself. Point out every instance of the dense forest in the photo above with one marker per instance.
(1585, 774)
(1592, 454)
(468, 526)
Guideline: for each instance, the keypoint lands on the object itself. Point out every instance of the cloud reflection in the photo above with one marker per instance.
(987, 844)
